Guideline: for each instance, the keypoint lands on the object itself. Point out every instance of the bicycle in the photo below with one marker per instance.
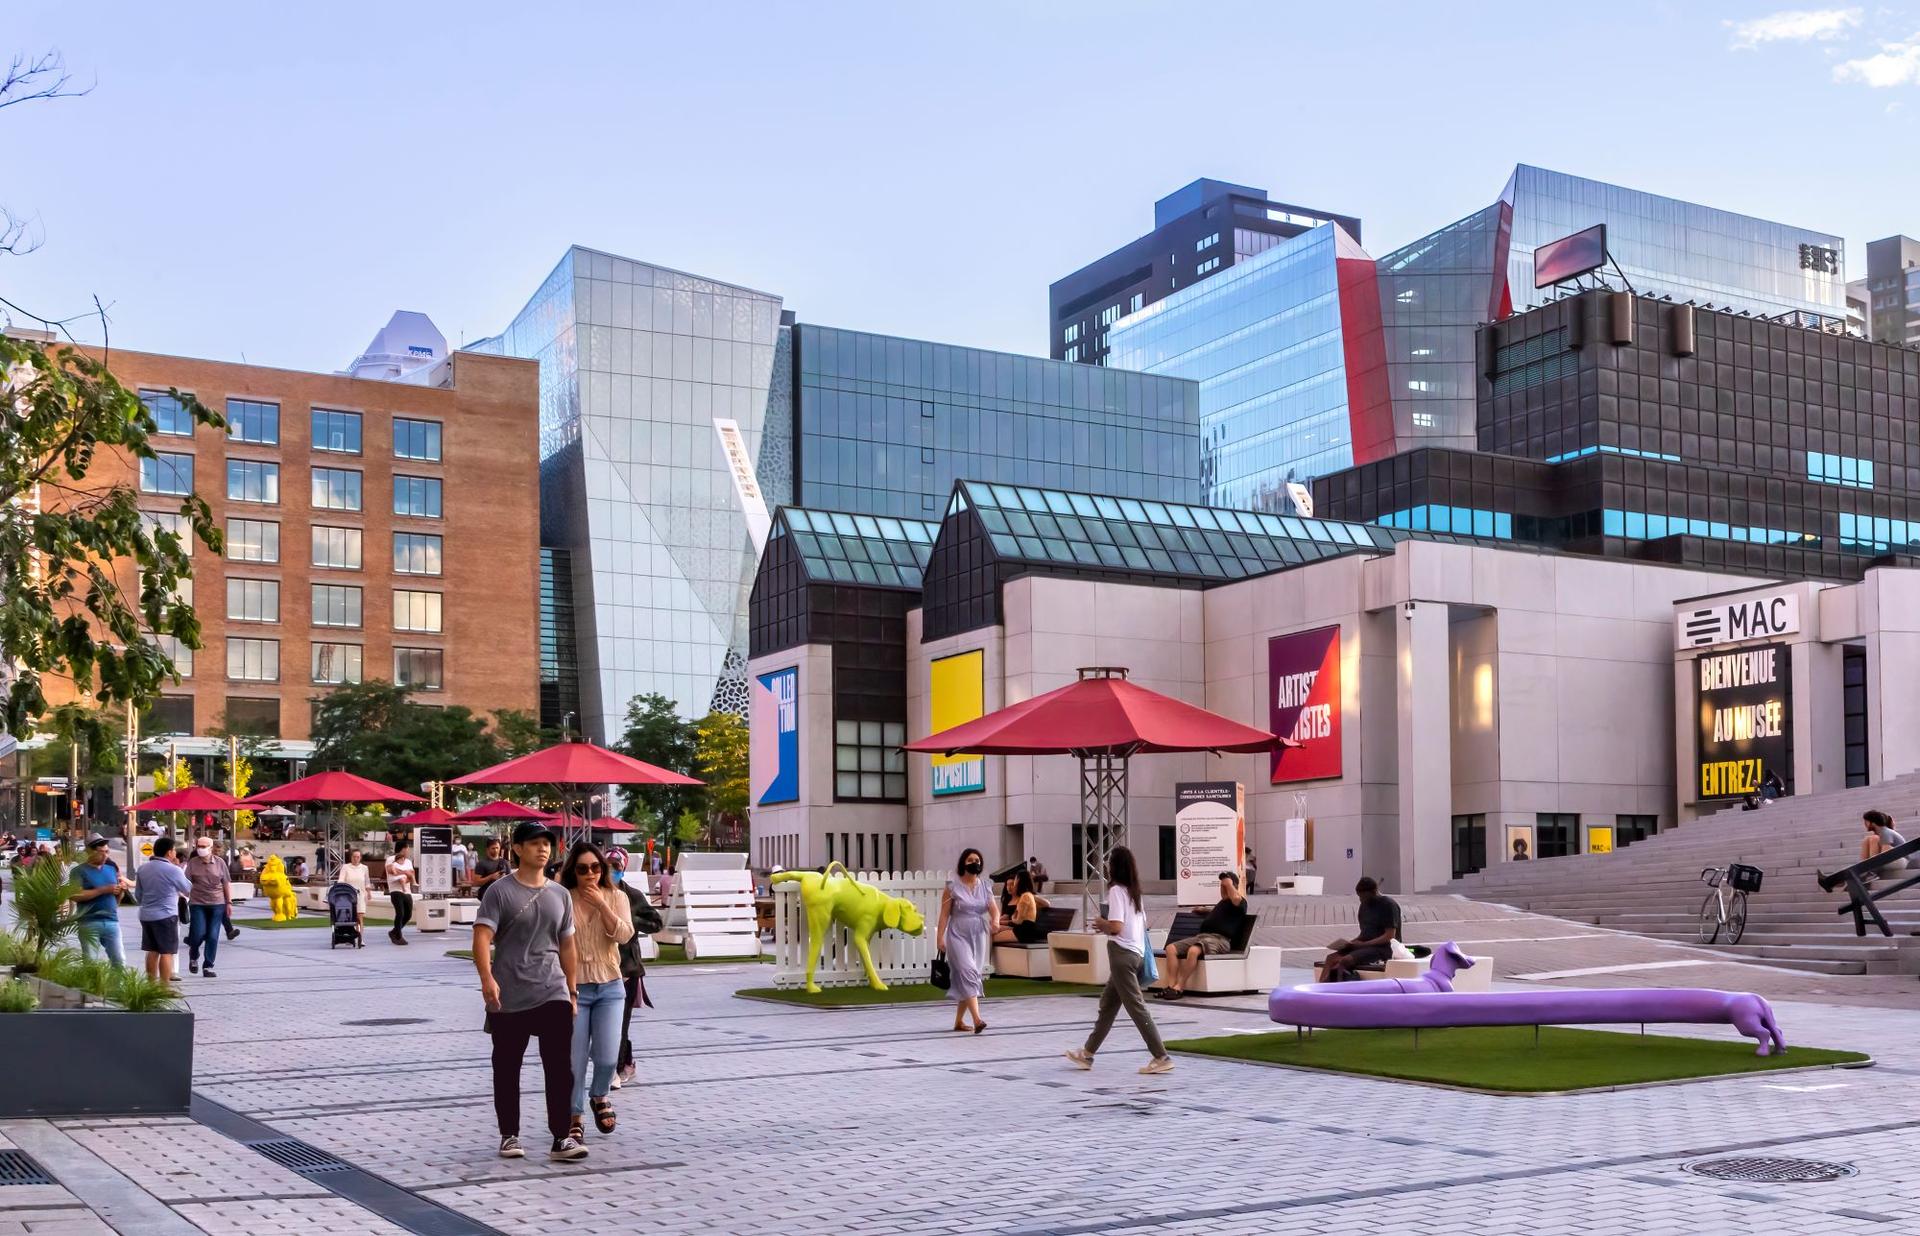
(1724, 909)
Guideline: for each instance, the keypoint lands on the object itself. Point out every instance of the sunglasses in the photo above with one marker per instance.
(586, 868)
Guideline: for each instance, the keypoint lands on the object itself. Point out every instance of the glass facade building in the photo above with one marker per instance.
(885, 426)
(1274, 342)
(637, 362)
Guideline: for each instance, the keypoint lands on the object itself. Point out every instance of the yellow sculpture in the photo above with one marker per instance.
(278, 889)
(861, 908)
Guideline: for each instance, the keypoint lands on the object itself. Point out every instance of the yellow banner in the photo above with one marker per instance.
(957, 694)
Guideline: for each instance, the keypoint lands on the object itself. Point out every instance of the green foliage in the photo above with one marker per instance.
(70, 968)
(519, 732)
(721, 754)
(69, 608)
(17, 996)
(99, 734)
(689, 827)
(361, 820)
(374, 729)
(656, 733)
(133, 991)
(12, 949)
(41, 909)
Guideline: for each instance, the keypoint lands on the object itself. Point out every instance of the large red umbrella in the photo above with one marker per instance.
(190, 798)
(1104, 720)
(432, 815)
(502, 809)
(331, 789)
(575, 763)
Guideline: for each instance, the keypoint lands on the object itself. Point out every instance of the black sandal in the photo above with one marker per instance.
(603, 1115)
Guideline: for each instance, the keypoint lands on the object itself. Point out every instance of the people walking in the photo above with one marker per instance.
(968, 918)
(99, 900)
(160, 885)
(400, 885)
(208, 900)
(523, 949)
(354, 872)
(492, 865)
(602, 923)
(1125, 925)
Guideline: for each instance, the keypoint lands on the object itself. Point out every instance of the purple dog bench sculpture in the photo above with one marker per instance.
(1430, 1001)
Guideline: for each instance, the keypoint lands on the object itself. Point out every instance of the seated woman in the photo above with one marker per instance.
(1881, 836)
(1022, 925)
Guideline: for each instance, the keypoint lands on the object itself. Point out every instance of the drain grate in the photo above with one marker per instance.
(389, 1021)
(18, 1168)
(297, 1156)
(1771, 1171)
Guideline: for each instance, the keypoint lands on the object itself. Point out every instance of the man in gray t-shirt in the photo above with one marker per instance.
(523, 949)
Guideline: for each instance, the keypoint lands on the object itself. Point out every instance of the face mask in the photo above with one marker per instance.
(974, 868)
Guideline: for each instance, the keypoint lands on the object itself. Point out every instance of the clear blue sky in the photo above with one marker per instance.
(272, 180)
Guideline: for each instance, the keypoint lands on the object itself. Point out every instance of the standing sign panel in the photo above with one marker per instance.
(1744, 700)
(956, 695)
(1303, 702)
(1210, 836)
(435, 844)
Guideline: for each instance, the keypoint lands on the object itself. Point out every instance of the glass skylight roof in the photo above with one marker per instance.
(858, 549)
(1162, 538)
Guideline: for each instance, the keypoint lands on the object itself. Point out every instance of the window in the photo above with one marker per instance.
(1207, 267)
(252, 480)
(1469, 844)
(1072, 354)
(253, 660)
(246, 715)
(1840, 470)
(253, 540)
(336, 431)
(177, 652)
(867, 760)
(1555, 834)
(419, 611)
(169, 521)
(170, 714)
(1206, 242)
(419, 667)
(336, 663)
(416, 553)
(1071, 334)
(253, 600)
(249, 420)
(170, 415)
(416, 439)
(336, 548)
(1628, 829)
(336, 605)
(417, 495)
(1137, 303)
(166, 473)
(1423, 420)
(336, 489)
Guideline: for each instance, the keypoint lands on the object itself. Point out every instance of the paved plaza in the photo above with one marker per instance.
(753, 1118)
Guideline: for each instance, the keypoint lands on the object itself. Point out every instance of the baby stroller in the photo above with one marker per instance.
(343, 907)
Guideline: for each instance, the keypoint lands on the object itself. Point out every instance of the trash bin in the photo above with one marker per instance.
(432, 914)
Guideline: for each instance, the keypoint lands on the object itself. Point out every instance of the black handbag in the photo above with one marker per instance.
(941, 975)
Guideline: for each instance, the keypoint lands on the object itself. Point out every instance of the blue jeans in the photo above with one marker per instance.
(203, 930)
(596, 1037)
(104, 934)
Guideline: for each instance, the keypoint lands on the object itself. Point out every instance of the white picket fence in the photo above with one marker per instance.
(898, 957)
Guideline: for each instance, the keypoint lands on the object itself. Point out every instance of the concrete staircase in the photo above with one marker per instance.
(1653, 887)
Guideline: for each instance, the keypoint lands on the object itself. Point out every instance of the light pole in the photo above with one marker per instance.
(132, 774)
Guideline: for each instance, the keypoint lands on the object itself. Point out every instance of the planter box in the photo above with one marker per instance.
(95, 1060)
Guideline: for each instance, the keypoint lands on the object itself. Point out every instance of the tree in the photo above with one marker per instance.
(656, 733)
(244, 746)
(722, 755)
(374, 729)
(689, 827)
(519, 732)
(176, 776)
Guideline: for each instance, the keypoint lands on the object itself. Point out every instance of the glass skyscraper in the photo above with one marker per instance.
(637, 363)
(886, 425)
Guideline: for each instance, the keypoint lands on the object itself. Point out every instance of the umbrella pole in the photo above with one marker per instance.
(1103, 822)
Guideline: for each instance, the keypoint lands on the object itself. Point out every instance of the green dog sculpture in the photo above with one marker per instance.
(861, 908)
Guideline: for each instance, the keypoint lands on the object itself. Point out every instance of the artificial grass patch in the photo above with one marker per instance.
(267, 924)
(1504, 1058)
(914, 993)
(465, 954)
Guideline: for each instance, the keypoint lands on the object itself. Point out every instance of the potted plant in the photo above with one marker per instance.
(43, 909)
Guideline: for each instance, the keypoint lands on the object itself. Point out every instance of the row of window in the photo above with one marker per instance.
(1460, 520)
(334, 605)
(1207, 267)
(257, 480)
(336, 549)
(258, 422)
(1585, 451)
(1554, 834)
(258, 660)
(1206, 242)
(1840, 470)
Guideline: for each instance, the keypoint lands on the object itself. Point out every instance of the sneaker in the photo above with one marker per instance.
(1080, 1056)
(208, 973)
(510, 1148)
(233, 932)
(193, 965)
(1159, 1064)
(615, 1083)
(627, 1071)
(566, 1150)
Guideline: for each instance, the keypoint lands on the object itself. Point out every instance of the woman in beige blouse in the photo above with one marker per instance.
(601, 924)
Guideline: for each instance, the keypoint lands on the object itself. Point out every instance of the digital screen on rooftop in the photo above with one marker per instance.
(1570, 256)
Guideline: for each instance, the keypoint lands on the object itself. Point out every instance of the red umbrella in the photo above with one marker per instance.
(575, 762)
(432, 815)
(331, 787)
(1104, 720)
(502, 809)
(190, 798)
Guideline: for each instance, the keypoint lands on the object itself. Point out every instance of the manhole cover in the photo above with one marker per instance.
(389, 1021)
(18, 1168)
(1771, 1171)
(299, 1157)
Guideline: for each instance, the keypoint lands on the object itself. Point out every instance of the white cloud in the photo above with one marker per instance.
(1895, 64)
(1794, 26)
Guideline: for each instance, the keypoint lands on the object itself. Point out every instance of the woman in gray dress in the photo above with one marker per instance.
(968, 919)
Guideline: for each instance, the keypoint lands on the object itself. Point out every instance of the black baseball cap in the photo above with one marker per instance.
(97, 843)
(528, 830)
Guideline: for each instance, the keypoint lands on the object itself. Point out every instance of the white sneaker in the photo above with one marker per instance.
(1159, 1064)
(1080, 1056)
(566, 1150)
(510, 1148)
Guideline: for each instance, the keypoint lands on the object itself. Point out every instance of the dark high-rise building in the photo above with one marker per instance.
(1197, 231)
(1893, 289)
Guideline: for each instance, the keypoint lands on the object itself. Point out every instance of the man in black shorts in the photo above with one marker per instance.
(160, 884)
(1379, 924)
(1217, 933)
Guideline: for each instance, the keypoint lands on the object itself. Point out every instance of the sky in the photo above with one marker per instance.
(268, 182)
